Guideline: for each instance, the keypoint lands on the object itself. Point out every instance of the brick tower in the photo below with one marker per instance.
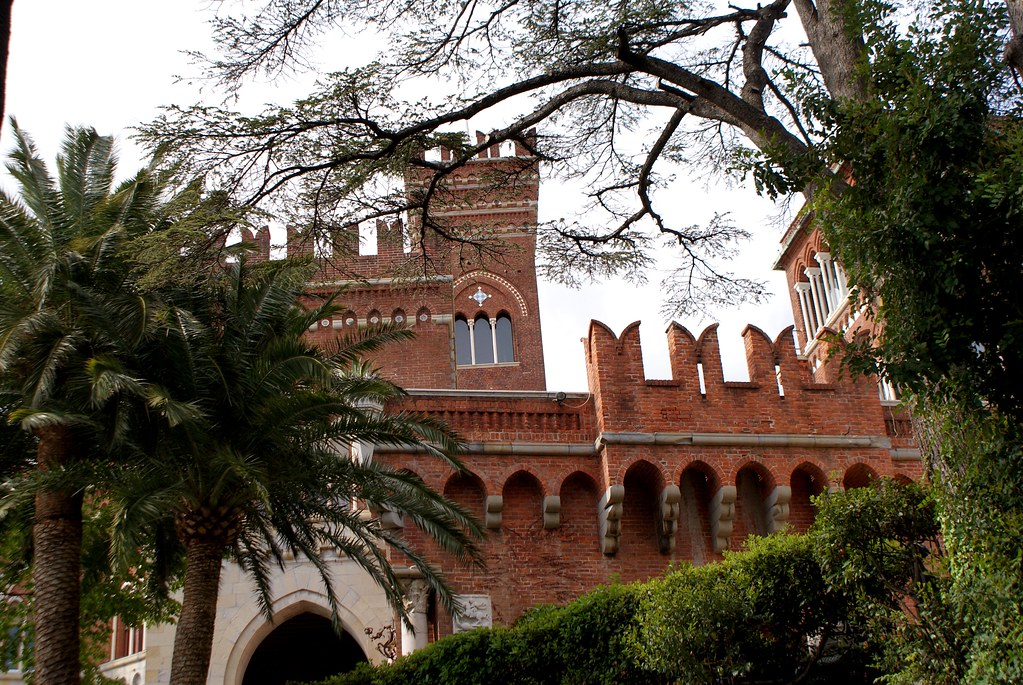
(466, 286)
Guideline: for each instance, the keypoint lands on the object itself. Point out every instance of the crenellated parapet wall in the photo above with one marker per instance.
(750, 454)
(782, 395)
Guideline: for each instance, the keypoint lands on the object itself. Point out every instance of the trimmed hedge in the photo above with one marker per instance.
(591, 640)
(763, 615)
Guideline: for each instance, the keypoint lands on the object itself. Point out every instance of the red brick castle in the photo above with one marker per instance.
(576, 489)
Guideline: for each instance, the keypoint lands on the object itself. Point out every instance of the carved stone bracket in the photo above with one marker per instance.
(493, 507)
(362, 452)
(609, 509)
(417, 596)
(417, 604)
(474, 611)
(668, 512)
(777, 508)
(722, 516)
(551, 512)
(389, 519)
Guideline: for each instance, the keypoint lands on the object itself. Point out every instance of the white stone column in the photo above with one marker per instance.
(843, 281)
(816, 296)
(417, 599)
(472, 341)
(830, 287)
(493, 337)
(809, 328)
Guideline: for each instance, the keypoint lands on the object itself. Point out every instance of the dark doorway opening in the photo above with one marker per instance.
(303, 648)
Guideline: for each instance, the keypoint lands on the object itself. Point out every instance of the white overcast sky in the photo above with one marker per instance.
(111, 63)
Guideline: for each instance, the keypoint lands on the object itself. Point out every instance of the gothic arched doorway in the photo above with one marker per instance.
(303, 648)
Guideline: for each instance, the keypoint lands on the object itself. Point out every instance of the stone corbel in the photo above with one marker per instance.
(722, 515)
(389, 519)
(777, 508)
(551, 512)
(493, 507)
(417, 604)
(362, 452)
(668, 514)
(609, 510)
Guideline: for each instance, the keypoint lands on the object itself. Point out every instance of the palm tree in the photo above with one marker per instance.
(252, 464)
(70, 319)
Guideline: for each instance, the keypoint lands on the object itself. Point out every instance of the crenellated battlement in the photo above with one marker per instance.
(781, 396)
(492, 198)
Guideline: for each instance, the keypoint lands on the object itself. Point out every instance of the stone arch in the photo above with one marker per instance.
(495, 280)
(423, 315)
(303, 648)
(374, 318)
(398, 316)
(859, 475)
(807, 481)
(643, 484)
(284, 608)
(902, 479)
(698, 483)
(629, 464)
(753, 482)
(523, 468)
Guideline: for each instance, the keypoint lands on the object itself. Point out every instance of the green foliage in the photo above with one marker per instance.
(247, 417)
(881, 547)
(978, 455)
(71, 324)
(762, 615)
(929, 228)
(106, 592)
(765, 614)
(591, 640)
(869, 539)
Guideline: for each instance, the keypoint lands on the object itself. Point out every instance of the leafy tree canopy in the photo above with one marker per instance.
(616, 94)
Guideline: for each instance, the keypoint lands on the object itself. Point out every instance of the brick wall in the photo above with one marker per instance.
(646, 435)
(764, 447)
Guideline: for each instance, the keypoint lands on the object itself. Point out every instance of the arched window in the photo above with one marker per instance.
(483, 340)
(503, 334)
(463, 342)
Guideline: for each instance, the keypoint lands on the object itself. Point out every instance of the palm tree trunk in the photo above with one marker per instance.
(193, 639)
(56, 569)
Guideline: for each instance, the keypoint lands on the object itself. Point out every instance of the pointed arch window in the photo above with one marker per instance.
(483, 340)
(503, 339)
(463, 342)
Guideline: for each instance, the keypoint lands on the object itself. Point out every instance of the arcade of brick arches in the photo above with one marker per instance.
(575, 489)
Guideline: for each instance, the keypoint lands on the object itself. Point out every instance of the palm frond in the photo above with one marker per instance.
(85, 175)
(37, 189)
